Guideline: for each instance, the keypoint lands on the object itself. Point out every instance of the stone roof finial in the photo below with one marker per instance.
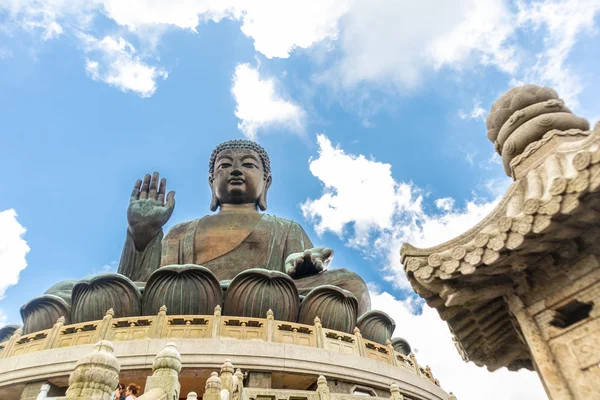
(523, 115)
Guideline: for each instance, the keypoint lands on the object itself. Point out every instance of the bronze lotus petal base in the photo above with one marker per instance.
(185, 289)
(376, 326)
(94, 295)
(401, 346)
(255, 291)
(42, 312)
(335, 307)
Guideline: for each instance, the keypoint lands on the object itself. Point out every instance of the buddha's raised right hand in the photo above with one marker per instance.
(148, 211)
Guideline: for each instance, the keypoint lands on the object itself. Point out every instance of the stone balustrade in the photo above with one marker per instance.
(214, 326)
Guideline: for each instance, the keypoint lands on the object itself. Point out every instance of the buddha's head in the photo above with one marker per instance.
(239, 172)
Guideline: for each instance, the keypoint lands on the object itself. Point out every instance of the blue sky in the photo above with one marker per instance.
(372, 113)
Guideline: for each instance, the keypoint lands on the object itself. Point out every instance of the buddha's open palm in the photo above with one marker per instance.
(148, 211)
(310, 262)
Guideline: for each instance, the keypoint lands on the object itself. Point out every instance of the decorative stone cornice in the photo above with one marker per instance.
(549, 214)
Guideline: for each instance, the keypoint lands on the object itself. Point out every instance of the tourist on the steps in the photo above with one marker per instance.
(132, 391)
(119, 392)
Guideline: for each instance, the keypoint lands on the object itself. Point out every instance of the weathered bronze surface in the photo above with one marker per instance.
(42, 312)
(376, 326)
(184, 289)
(255, 291)
(335, 307)
(237, 238)
(94, 295)
(401, 346)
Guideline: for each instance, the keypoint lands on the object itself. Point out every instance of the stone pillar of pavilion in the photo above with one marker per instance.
(521, 289)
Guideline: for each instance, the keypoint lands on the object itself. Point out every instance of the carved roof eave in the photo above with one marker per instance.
(557, 178)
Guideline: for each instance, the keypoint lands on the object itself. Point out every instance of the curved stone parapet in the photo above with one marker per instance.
(63, 289)
(335, 307)
(255, 291)
(94, 295)
(401, 346)
(185, 289)
(523, 115)
(7, 331)
(41, 313)
(376, 326)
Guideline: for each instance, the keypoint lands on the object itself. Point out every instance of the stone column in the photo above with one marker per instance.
(96, 375)
(395, 391)
(554, 382)
(359, 341)
(319, 333)
(105, 326)
(323, 389)
(11, 343)
(52, 337)
(212, 390)
(270, 325)
(165, 372)
(227, 376)
(216, 329)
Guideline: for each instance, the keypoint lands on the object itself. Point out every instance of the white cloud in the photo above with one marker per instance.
(445, 203)
(260, 105)
(13, 249)
(361, 194)
(397, 41)
(114, 61)
(432, 344)
(477, 113)
(564, 21)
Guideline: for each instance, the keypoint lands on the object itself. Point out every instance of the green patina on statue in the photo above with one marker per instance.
(236, 238)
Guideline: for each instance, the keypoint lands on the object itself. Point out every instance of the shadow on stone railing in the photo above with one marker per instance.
(209, 327)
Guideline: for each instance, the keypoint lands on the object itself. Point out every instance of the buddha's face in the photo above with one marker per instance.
(238, 176)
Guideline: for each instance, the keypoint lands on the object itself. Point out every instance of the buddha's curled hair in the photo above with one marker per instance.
(241, 144)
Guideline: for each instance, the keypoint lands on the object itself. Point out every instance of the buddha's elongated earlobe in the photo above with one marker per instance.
(214, 201)
(262, 199)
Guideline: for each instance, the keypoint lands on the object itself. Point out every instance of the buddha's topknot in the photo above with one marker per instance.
(240, 144)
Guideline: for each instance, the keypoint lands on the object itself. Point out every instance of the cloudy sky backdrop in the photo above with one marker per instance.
(372, 112)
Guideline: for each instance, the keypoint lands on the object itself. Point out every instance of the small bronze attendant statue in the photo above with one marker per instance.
(236, 238)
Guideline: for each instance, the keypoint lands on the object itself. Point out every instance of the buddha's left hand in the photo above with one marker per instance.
(310, 262)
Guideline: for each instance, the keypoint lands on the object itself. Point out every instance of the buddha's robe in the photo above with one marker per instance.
(228, 243)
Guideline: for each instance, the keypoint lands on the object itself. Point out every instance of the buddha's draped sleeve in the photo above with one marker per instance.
(139, 265)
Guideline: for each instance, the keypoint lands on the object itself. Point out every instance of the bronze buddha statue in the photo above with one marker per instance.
(236, 238)
(242, 259)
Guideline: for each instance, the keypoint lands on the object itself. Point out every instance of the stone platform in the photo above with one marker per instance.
(275, 354)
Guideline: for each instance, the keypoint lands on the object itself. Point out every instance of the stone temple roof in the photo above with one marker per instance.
(550, 213)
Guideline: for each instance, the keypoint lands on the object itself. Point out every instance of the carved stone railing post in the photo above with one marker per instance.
(394, 360)
(359, 341)
(270, 325)
(104, 329)
(451, 396)
(395, 391)
(216, 329)
(96, 375)
(192, 396)
(165, 372)
(319, 333)
(212, 390)
(227, 376)
(413, 358)
(52, 337)
(323, 389)
(160, 323)
(8, 350)
(238, 385)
